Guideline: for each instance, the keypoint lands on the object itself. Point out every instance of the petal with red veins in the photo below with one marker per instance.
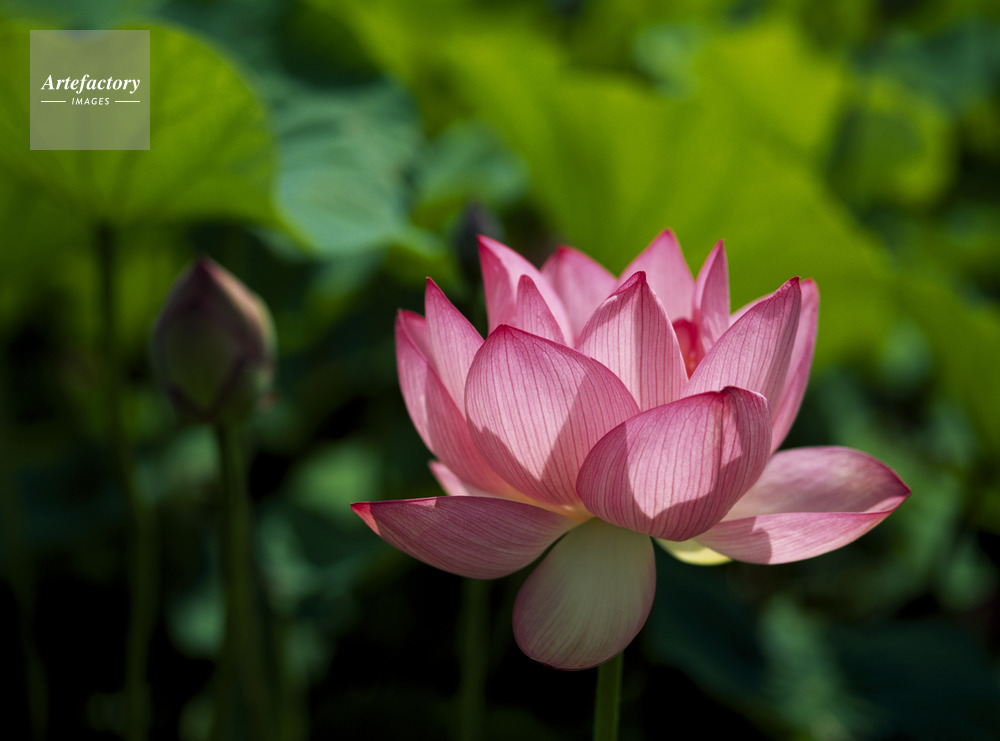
(415, 327)
(755, 352)
(630, 334)
(807, 502)
(469, 536)
(532, 314)
(588, 599)
(453, 341)
(536, 408)
(580, 282)
(502, 270)
(711, 299)
(673, 472)
(667, 273)
(438, 419)
(798, 366)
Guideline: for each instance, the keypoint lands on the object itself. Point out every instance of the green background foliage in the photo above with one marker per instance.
(334, 154)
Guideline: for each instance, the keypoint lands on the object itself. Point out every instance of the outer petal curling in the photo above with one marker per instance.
(536, 408)
(580, 282)
(668, 274)
(438, 419)
(631, 334)
(755, 352)
(588, 599)
(468, 536)
(807, 502)
(673, 472)
(502, 271)
(453, 341)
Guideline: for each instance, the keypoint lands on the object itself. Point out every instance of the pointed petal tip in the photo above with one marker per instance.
(364, 511)
(809, 501)
(481, 538)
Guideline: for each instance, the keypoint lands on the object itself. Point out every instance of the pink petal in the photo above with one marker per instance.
(711, 299)
(673, 472)
(416, 330)
(438, 419)
(468, 536)
(502, 271)
(532, 314)
(453, 341)
(580, 282)
(536, 408)
(808, 501)
(755, 352)
(630, 334)
(454, 486)
(799, 364)
(667, 273)
(588, 599)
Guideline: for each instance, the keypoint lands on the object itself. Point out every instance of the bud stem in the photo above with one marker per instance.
(241, 666)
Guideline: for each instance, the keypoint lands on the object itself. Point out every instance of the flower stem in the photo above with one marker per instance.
(473, 637)
(142, 547)
(606, 703)
(242, 659)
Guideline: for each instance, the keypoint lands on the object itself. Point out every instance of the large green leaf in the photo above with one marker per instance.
(613, 162)
(210, 155)
(345, 154)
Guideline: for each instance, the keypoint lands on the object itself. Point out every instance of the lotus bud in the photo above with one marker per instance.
(213, 346)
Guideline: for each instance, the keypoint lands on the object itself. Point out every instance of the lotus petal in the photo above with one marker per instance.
(798, 366)
(502, 271)
(536, 408)
(667, 273)
(711, 299)
(468, 536)
(588, 598)
(580, 282)
(533, 315)
(631, 334)
(808, 501)
(693, 552)
(755, 352)
(673, 472)
(438, 419)
(453, 341)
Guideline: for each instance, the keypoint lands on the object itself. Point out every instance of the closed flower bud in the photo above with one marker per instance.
(213, 346)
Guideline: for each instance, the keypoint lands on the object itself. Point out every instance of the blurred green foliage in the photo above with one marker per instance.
(330, 153)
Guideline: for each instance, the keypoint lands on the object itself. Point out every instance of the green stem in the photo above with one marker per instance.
(606, 704)
(20, 572)
(474, 639)
(242, 655)
(142, 546)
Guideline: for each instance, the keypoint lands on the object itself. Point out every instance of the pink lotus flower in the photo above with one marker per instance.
(599, 412)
